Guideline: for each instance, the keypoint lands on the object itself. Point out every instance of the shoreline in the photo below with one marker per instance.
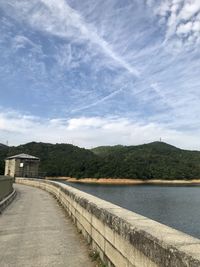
(118, 181)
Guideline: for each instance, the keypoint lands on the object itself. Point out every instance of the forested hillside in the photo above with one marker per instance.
(154, 160)
(60, 159)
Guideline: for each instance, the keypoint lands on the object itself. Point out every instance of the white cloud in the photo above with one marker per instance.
(196, 26)
(89, 131)
(97, 59)
(184, 28)
(85, 123)
(182, 21)
(189, 9)
(99, 101)
(59, 19)
(21, 41)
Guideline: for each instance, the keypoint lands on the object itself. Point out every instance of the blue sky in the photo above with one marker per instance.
(100, 72)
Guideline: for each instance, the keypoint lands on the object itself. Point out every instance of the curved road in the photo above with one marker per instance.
(35, 231)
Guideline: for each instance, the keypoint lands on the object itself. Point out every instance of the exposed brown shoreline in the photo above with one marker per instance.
(122, 181)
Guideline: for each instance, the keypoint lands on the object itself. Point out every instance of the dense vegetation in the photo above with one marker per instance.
(59, 159)
(154, 160)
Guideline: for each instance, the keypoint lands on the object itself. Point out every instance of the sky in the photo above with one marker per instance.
(100, 72)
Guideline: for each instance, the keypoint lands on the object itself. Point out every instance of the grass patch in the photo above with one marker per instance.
(95, 257)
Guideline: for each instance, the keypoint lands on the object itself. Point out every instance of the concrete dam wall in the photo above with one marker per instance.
(6, 186)
(7, 193)
(122, 238)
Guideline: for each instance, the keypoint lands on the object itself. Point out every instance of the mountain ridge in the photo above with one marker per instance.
(146, 161)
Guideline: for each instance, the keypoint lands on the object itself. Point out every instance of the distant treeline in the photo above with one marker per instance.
(155, 160)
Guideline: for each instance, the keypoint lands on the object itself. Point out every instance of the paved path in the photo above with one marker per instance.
(35, 231)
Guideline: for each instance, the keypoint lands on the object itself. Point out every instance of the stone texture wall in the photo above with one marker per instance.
(10, 166)
(123, 238)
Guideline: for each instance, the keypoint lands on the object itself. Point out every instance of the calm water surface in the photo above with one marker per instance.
(175, 206)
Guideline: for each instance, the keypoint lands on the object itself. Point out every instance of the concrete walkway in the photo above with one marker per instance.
(35, 231)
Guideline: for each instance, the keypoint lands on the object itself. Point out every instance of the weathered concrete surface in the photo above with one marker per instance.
(6, 186)
(35, 231)
(7, 200)
(123, 238)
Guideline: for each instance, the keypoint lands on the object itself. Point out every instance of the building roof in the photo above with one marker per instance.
(23, 156)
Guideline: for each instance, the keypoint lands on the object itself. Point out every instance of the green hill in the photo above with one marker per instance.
(155, 160)
(103, 151)
(59, 159)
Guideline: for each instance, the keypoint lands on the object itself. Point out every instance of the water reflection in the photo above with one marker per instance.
(178, 207)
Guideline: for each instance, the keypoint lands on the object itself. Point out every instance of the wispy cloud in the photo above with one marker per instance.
(59, 19)
(100, 59)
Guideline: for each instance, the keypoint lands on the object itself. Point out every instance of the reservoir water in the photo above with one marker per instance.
(175, 206)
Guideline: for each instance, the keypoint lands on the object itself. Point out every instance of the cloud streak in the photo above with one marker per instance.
(138, 61)
(59, 19)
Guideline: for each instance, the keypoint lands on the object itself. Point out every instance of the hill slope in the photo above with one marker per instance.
(155, 160)
(60, 159)
(2, 145)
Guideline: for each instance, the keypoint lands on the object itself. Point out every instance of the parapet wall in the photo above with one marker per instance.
(7, 193)
(6, 186)
(123, 238)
